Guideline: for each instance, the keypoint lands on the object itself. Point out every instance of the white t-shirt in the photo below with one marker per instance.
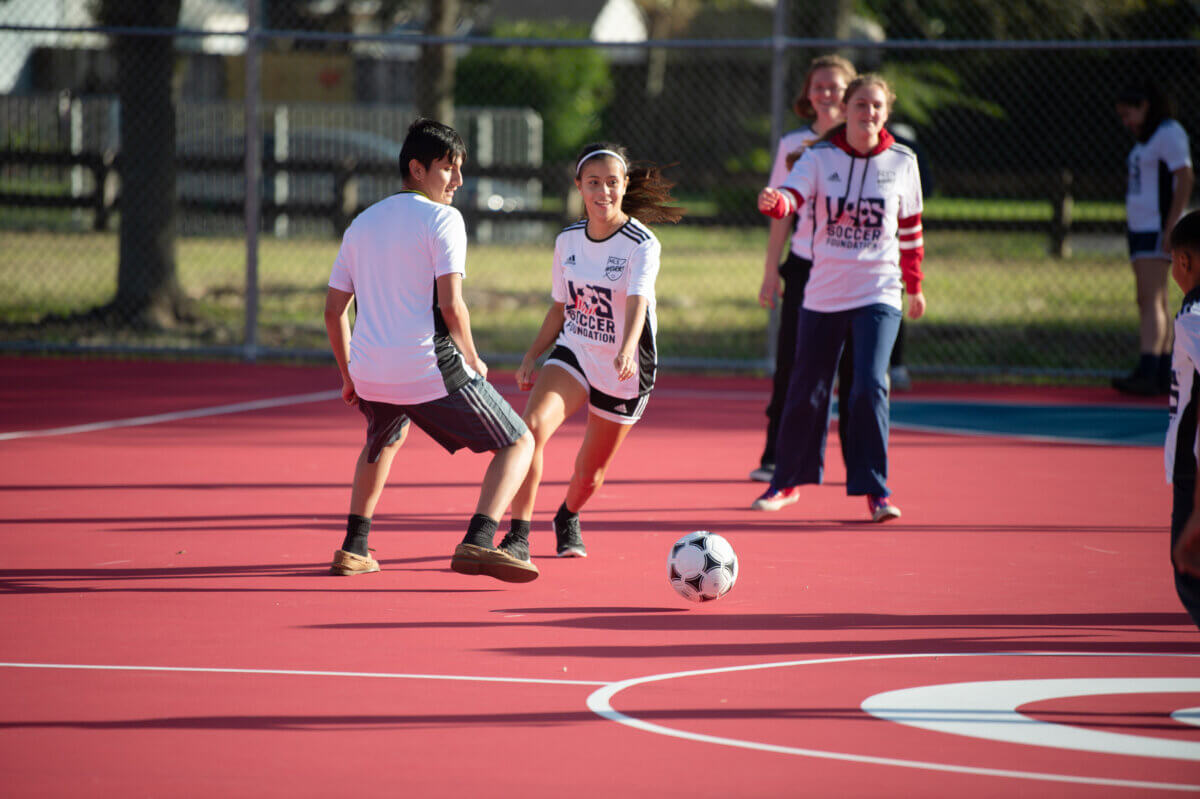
(593, 279)
(390, 259)
(1148, 197)
(1180, 452)
(857, 203)
(802, 233)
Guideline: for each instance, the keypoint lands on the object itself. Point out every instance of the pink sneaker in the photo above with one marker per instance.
(776, 498)
(882, 509)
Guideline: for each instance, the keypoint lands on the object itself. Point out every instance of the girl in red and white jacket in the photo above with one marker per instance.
(864, 190)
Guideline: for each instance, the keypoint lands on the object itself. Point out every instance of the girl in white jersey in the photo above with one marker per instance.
(602, 325)
(1160, 184)
(819, 99)
(865, 192)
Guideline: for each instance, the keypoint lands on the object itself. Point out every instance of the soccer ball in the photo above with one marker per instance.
(702, 566)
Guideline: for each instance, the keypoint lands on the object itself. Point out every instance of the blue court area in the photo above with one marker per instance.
(1099, 424)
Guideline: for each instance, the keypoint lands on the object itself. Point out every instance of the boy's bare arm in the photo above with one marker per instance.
(337, 327)
(458, 319)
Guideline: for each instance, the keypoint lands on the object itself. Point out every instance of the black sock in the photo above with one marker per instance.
(1148, 364)
(564, 515)
(1164, 370)
(519, 529)
(481, 531)
(357, 529)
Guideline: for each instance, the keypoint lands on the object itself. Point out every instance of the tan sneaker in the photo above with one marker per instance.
(471, 559)
(348, 564)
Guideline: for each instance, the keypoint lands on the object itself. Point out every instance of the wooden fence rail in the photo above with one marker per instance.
(343, 204)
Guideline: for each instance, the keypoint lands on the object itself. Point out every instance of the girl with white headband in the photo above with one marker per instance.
(602, 327)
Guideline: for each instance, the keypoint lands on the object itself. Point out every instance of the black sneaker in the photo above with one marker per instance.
(1141, 385)
(516, 546)
(570, 541)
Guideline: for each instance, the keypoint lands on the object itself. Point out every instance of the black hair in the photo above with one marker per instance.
(1158, 105)
(427, 141)
(648, 197)
(1186, 233)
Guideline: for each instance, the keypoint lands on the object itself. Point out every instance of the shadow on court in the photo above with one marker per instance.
(118, 580)
(1133, 720)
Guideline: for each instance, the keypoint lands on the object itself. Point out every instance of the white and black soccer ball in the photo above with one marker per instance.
(702, 566)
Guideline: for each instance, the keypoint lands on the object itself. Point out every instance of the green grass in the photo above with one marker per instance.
(950, 208)
(995, 300)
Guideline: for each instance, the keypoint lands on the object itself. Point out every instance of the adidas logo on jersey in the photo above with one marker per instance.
(834, 178)
(570, 260)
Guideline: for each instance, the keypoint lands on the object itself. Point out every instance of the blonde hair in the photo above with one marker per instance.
(800, 103)
(860, 82)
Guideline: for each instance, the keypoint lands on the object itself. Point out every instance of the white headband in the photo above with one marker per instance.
(617, 156)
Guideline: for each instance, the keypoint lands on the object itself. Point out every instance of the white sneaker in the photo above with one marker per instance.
(776, 498)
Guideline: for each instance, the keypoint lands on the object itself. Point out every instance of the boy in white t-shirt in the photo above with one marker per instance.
(411, 356)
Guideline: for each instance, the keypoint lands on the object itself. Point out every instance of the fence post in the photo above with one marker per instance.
(104, 194)
(1060, 227)
(345, 190)
(779, 59)
(253, 171)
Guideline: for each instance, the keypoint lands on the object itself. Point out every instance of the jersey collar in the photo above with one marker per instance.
(886, 140)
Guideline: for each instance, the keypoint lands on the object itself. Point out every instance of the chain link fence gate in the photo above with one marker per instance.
(117, 246)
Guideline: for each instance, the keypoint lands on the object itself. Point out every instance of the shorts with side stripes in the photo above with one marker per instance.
(475, 417)
(606, 406)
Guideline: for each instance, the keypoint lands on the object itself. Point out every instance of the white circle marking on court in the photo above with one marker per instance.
(600, 703)
(989, 710)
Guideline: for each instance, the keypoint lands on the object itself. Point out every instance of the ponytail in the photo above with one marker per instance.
(794, 156)
(649, 195)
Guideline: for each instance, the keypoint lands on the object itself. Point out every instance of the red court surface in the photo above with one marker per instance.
(170, 628)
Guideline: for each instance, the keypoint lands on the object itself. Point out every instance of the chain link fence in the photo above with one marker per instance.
(123, 169)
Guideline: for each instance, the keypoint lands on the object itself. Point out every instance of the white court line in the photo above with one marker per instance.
(295, 399)
(599, 702)
(159, 418)
(300, 673)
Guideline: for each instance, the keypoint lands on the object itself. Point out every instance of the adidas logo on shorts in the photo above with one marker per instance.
(834, 178)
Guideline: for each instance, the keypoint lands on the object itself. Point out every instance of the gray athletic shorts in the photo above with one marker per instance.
(475, 417)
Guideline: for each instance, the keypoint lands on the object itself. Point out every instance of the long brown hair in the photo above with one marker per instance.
(800, 103)
(865, 79)
(648, 197)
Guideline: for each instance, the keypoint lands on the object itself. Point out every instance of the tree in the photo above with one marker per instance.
(435, 70)
(665, 19)
(148, 290)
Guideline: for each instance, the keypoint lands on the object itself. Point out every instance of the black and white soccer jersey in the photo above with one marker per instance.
(1151, 182)
(593, 279)
(1180, 451)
